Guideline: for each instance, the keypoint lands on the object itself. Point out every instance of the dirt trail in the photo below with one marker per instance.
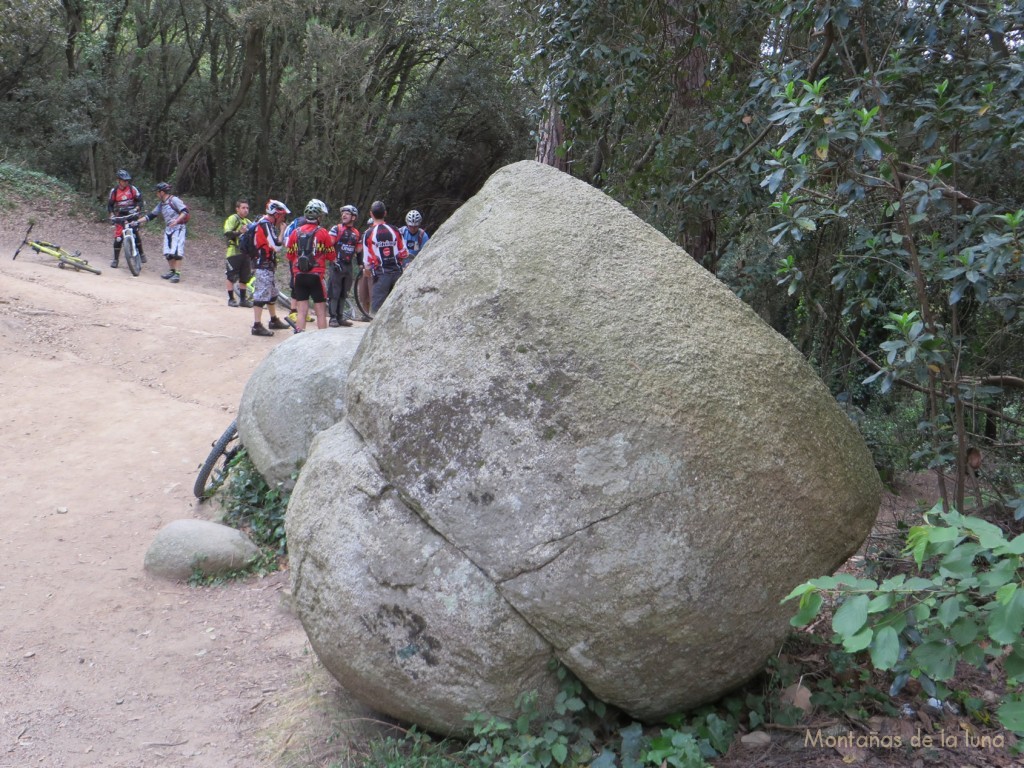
(113, 389)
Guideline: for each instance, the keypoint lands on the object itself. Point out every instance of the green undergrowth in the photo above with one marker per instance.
(22, 186)
(581, 731)
(252, 506)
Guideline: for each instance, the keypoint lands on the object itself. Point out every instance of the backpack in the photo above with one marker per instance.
(247, 242)
(306, 246)
(177, 210)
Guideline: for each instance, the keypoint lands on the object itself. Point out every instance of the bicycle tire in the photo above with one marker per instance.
(356, 302)
(203, 487)
(78, 264)
(131, 256)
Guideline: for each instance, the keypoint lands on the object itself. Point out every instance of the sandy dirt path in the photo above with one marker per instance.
(113, 388)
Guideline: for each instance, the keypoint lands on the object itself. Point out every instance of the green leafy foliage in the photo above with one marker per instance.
(967, 605)
(252, 505)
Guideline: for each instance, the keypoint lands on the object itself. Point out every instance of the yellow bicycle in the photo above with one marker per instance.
(64, 257)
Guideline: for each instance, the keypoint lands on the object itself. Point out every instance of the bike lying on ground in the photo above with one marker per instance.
(214, 470)
(65, 258)
(129, 227)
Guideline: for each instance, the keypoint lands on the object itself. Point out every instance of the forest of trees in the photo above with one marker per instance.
(851, 169)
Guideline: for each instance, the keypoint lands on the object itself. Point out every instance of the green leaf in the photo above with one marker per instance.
(881, 602)
(964, 631)
(859, 641)
(559, 752)
(800, 591)
(575, 704)
(1015, 547)
(1005, 593)
(1011, 715)
(885, 648)
(851, 616)
(949, 611)
(936, 659)
(1013, 665)
(810, 604)
(1006, 621)
(989, 536)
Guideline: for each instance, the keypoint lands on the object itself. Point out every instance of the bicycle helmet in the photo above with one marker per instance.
(163, 186)
(123, 175)
(351, 209)
(276, 206)
(315, 209)
(413, 219)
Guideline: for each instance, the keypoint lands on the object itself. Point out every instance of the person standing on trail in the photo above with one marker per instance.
(347, 245)
(267, 246)
(175, 214)
(384, 255)
(310, 247)
(238, 268)
(124, 200)
(414, 235)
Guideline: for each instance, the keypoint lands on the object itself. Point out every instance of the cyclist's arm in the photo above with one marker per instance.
(232, 228)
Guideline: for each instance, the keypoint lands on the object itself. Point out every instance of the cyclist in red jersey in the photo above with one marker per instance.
(310, 284)
(265, 293)
(124, 200)
(348, 244)
(384, 255)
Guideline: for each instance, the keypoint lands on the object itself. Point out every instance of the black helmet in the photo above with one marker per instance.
(163, 186)
(124, 175)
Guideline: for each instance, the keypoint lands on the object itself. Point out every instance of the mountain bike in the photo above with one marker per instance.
(129, 242)
(214, 470)
(64, 257)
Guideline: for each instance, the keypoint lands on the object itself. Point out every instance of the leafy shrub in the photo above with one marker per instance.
(253, 506)
(966, 604)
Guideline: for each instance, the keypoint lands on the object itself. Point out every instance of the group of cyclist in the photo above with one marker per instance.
(325, 264)
(124, 204)
(343, 259)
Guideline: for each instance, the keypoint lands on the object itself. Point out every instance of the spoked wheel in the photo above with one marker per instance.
(214, 469)
(132, 256)
(79, 264)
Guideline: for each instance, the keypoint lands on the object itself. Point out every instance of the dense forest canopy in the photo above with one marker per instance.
(851, 169)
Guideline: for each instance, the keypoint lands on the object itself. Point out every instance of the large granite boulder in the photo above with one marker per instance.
(524, 471)
(296, 391)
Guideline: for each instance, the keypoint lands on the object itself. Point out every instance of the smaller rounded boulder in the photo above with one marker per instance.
(184, 547)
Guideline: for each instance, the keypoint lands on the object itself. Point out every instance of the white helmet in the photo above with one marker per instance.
(315, 210)
(276, 206)
(413, 219)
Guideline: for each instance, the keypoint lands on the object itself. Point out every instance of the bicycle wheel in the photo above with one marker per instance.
(224, 449)
(78, 263)
(357, 300)
(131, 255)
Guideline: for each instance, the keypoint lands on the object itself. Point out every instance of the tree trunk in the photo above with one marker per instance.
(253, 51)
(551, 136)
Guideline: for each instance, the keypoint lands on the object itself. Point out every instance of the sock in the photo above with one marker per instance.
(230, 295)
(241, 295)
